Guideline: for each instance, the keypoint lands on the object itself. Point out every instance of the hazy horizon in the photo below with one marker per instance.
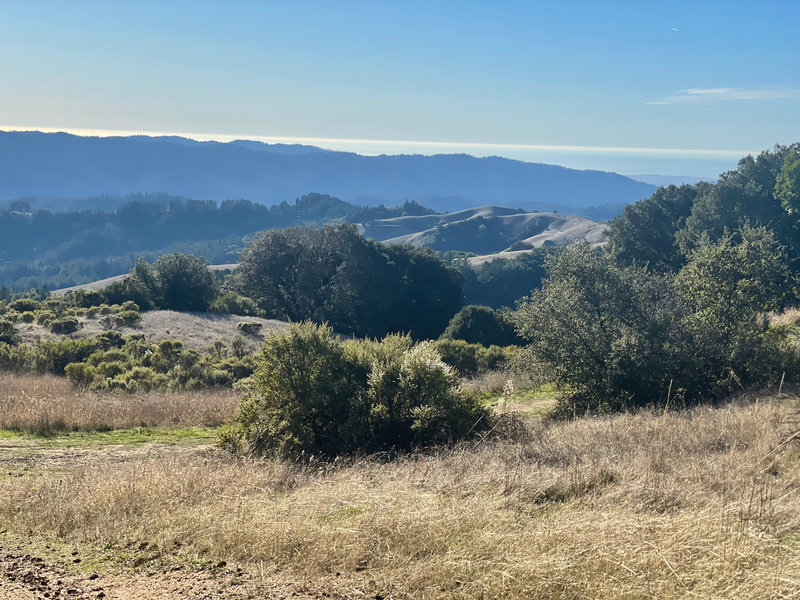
(698, 163)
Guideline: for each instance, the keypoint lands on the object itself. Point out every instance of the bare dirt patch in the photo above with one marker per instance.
(28, 577)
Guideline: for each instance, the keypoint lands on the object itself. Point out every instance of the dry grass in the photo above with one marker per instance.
(493, 382)
(45, 403)
(788, 317)
(702, 504)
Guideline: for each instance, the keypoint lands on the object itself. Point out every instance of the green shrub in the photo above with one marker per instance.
(25, 304)
(45, 317)
(18, 359)
(129, 305)
(229, 302)
(313, 395)
(238, 346)
(415, 401)
(165, 357)
(229, 370)
(470, 360)
(129, 318)
(8, 333)
(53, 357)
(55, 304)
(27, 317)
(80, 374)
(111, 355)
(481, 325)
(110, 369)
(143, 379)
(111, 339)
(65, 326)
(249, 328)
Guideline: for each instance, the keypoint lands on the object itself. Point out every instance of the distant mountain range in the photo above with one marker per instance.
(60, 165)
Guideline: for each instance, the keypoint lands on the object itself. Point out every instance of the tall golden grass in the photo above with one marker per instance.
(699, 504)
(45, 403)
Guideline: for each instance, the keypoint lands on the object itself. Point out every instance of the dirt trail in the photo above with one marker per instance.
(26, 577)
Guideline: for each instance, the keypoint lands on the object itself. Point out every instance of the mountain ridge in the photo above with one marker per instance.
(68, 166)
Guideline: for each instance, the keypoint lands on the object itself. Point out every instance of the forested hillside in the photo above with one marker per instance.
(60, 249)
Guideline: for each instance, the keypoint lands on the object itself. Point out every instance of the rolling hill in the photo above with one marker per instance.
(490, 232)
(487, 231)
(60, 165)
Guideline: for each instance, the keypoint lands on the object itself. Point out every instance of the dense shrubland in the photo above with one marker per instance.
(112, 361)
(673, 311)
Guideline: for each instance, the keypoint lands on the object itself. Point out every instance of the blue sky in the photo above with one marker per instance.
(658, 87)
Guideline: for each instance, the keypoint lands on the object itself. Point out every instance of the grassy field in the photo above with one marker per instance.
(701, 504)
(46, 404)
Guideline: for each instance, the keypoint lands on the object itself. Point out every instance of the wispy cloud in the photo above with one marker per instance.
(707, 95)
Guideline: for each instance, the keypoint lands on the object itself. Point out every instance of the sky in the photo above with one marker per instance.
(667, 87)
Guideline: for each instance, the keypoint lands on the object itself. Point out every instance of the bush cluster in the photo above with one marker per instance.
(314, 395)
(62, 315)
(112, 361)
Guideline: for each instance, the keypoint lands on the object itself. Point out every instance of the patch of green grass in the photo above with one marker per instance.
(128, 437)
(346, 512)
(531, 402)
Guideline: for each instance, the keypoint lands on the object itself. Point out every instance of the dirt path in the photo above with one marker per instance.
(26, 577)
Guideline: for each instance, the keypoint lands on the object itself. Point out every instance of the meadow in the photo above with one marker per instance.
(130, 497)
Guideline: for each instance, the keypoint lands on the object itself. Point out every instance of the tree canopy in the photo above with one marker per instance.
(361, 287)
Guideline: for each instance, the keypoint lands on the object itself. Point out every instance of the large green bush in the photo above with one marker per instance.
(24, 304)
(619, 337)
(482, 325)
(313, 395)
